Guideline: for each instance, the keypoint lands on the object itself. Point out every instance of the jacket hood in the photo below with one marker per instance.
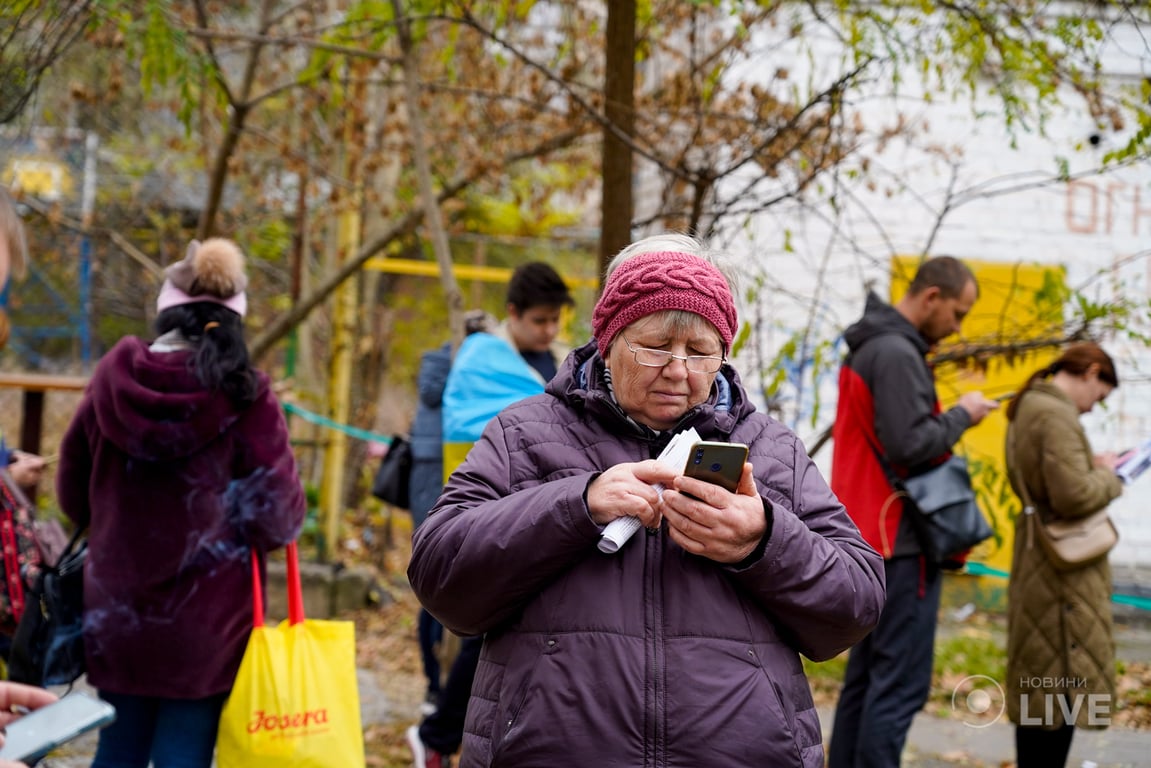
(880, 318)
(580, 383)
(152, 406)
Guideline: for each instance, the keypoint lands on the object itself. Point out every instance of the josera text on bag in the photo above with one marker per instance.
(296, 700)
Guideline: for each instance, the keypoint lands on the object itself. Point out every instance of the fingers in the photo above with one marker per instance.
(20, 695)
(31, 459)
(977, 406)
(624, 491)
(747, 486)
(652, 471)
(709, 521)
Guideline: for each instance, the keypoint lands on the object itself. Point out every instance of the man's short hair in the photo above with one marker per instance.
(947, 273)
(536, 284)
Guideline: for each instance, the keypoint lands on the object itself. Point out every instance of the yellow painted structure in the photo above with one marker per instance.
(1017, 303)
(479, 272)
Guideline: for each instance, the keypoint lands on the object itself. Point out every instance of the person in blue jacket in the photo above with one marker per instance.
(490, 371)
(427, 475)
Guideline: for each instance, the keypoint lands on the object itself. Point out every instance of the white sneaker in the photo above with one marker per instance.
(422, 757)
(419, 754)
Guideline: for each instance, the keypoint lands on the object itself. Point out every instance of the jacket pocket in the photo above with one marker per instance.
(514, 695)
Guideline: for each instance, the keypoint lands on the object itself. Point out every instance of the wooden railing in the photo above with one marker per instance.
(35, 386)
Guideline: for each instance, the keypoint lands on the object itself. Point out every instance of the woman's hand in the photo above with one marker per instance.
(26, 469)
(626, 490)
(717, 524)
(14, 695)
(1107, 460)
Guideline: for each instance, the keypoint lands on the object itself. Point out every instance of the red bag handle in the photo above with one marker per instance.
(295, 591)
(257, 593)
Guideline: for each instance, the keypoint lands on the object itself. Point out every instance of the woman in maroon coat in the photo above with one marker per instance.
(178, 462)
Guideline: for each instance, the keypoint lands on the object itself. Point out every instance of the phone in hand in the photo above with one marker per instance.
(717, 463)
(42, 730)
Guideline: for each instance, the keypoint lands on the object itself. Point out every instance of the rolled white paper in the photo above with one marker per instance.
(617, 532)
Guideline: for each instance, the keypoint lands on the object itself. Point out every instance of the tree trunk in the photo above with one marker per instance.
(619, 108)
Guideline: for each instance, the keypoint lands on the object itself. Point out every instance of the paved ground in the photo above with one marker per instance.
(374, 708)
(934, 742)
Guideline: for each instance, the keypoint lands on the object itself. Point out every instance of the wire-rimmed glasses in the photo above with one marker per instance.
(658, 358)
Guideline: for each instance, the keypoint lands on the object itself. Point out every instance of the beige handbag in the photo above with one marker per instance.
(1072, 544)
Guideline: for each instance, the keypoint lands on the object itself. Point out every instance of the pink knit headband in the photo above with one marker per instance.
(171, 296)
(652, 282)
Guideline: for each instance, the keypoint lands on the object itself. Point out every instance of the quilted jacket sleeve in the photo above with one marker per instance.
(818, 579)
(1075, 486)
(487, 549)
(907, 424)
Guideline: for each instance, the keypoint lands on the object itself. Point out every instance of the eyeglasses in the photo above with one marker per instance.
(658, 358)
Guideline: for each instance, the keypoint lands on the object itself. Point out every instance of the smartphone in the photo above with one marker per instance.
(718, 463)
(42, 730)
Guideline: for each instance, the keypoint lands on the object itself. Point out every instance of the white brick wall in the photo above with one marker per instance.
(1005, 207)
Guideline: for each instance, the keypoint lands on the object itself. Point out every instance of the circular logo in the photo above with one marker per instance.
(978, 701)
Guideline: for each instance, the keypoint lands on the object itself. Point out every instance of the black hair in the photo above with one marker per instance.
(536, 284)
(947, 273)
(220, 360)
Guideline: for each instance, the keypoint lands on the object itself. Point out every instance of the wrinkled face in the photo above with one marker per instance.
(945, 316)
(659, 397)
(535, 328)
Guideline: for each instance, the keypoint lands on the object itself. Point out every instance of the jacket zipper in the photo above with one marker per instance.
(655, 673)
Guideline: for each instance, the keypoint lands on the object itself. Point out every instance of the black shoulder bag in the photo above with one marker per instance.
(392, 483)
(945, 514)
(48, 647)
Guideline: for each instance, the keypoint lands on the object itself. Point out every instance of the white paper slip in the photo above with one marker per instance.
(617, 532)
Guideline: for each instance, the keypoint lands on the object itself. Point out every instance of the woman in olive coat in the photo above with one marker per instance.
(1060, 649)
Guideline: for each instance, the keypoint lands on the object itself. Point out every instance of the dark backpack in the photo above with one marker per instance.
(48, 647)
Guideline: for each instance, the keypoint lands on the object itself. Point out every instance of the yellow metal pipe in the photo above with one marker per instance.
(462, 271)
(339, 386)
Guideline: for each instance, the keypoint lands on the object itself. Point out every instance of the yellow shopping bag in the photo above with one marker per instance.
(295, 701)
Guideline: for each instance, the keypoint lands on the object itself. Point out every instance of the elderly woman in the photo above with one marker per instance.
(682, 648)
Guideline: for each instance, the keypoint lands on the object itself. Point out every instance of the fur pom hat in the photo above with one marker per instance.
(210, 271)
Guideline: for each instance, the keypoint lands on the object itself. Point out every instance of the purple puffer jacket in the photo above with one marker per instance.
(650, 656)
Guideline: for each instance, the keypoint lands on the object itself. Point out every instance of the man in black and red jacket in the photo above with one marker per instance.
(887, 403)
